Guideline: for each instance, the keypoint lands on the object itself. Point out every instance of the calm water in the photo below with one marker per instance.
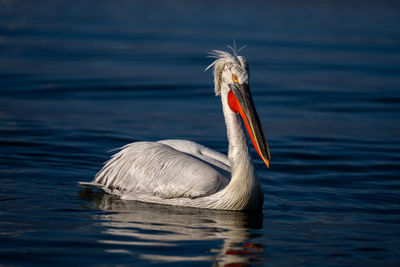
(78, 80)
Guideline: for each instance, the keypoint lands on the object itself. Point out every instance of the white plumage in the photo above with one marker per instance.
(184, 173)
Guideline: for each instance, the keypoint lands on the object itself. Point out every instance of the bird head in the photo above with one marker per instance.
(231, 80)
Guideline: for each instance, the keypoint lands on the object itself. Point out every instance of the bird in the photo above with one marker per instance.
(188, 174)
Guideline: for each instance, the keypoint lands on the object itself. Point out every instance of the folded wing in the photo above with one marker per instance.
(165, 169)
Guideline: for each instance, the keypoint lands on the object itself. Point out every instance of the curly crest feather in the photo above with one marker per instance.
(223, 60)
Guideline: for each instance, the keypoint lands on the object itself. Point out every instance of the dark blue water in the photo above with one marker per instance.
(79, 79)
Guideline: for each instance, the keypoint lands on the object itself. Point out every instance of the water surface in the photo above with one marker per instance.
(78, 80)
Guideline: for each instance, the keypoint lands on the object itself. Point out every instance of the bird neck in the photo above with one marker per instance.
(238, 153)
(244, 190)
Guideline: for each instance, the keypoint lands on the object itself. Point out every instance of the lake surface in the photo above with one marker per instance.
(80, 79)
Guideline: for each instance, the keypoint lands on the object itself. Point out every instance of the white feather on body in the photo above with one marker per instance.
(157, 169)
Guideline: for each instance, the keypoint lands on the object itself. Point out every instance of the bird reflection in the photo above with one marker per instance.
(134, 227)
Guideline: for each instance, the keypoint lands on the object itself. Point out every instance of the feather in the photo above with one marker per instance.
(157, 169)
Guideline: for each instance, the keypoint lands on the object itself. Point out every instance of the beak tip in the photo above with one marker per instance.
(267, 162)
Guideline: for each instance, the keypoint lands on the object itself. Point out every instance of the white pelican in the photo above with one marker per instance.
(184, 173)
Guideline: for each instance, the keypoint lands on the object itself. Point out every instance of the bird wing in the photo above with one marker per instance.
(201, 152)
(161, 169)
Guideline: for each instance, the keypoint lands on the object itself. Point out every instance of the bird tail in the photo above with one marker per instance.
(90, 184)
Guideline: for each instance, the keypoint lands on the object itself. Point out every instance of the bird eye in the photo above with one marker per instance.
(235, 78)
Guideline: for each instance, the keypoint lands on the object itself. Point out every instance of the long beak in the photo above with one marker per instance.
(240, 100)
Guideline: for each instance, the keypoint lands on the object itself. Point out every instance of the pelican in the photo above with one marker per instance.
(184, 173)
